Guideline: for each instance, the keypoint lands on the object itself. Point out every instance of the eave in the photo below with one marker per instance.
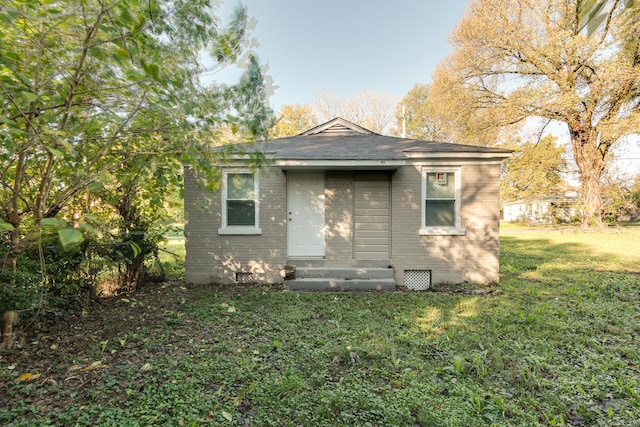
(339, 164)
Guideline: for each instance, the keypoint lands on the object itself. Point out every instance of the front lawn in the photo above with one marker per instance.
(557, 343)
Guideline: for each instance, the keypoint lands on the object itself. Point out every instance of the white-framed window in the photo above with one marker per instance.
(240, 202)
(441, 201)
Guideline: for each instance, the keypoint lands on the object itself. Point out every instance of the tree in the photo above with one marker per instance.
(535, 170)
(418, 115)
(99, 93)
(374, 111)
(518, 59)
(293, 120)
(635, 192)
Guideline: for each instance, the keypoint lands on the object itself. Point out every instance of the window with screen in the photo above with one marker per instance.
(441, 201)
(239, 202)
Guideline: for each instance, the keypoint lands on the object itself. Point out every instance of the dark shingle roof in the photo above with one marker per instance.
(342, 142)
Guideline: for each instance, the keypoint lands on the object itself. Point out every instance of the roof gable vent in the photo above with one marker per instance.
(338, 126)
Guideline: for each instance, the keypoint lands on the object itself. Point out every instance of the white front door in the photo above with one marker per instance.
(305, 214)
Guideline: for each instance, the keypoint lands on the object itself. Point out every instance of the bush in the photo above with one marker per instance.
(44, 269)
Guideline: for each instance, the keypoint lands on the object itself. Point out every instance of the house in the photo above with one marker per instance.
(341, 207)
(553, 209)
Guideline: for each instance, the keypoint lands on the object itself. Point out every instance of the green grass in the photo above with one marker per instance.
(556, 345)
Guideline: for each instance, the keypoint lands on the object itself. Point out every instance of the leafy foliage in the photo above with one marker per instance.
(521, 59)
(293, 120)
(534, 171)
(101, 105)
(420, 120)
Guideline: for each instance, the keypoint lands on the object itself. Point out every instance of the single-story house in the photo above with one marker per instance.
(552, 209)
(341, 207)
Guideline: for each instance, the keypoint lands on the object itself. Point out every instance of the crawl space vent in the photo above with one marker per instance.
(417, 280)
(244, 277)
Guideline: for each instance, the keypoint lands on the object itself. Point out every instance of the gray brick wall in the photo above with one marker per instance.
(213, 258)
(451, 259)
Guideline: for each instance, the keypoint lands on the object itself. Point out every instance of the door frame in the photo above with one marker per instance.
(318, 249)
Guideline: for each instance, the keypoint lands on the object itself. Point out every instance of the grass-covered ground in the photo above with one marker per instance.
(556, 343)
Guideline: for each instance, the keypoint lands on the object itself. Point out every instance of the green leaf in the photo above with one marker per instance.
(6, 226)
(29, 96)
(7, 121)
(152, 70)
(56, 153)
(17, 131)
(70, 236)
(96, 187)
(135, 248)
(53, 222)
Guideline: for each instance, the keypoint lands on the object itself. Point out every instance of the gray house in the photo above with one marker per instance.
(341, 207)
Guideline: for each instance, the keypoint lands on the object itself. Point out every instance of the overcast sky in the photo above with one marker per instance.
(348, 46)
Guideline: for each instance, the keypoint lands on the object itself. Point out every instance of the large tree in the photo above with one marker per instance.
(372, 110)
(535, 170)
(516, 59)
(91, 89)
(416, 115)
(292, 120)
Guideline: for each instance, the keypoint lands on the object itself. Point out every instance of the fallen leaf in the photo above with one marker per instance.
(231, 309)
(93, 366)
(146, 367)
(227, 416)
(28, 377)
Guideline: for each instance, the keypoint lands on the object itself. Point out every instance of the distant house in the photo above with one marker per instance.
(554, 209)
(341, 207)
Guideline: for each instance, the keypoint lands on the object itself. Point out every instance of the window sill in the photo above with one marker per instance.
(240, 230)
(443, 231)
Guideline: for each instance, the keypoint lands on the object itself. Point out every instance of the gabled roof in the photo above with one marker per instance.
(341, 141)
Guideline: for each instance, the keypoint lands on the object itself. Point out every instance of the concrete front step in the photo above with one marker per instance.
(334, 284)
(343, 273)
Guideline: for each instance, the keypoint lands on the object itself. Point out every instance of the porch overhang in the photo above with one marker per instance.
(309, 165)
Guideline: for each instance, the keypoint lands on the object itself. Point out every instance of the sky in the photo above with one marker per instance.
(347, 47)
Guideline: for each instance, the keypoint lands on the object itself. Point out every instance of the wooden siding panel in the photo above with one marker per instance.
(339, 218)
(371, 217)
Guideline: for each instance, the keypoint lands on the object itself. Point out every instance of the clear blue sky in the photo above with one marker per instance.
(348, 46)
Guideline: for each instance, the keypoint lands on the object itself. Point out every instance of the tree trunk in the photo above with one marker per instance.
(10, 257)
(591, 163)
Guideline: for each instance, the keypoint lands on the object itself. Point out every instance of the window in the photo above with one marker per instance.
(239, 202)
(441, 201)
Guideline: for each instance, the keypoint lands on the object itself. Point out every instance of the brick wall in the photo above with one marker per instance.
(213, 258)
(451, 259)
